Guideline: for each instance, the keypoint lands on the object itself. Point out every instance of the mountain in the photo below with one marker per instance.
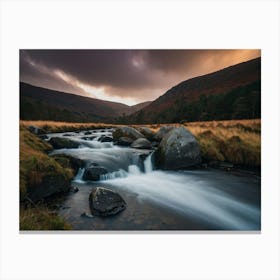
(231, 93)
(38, 103)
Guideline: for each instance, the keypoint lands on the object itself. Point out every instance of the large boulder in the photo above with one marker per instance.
(149, 134)
(61, 143)
(105, 202)
(178, 150)
(162, 132)
(124, 141)
(36, 130)
(50, 184)
(141, 143)
(93, 173)
(127, 131)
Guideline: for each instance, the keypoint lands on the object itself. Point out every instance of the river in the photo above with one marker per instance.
(206, 199)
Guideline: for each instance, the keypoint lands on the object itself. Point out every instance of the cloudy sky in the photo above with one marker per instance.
(126, 76)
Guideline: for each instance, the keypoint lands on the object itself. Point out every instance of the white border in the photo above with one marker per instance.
(153, 24)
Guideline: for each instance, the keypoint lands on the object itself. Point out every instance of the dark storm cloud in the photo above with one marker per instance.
(136, 74)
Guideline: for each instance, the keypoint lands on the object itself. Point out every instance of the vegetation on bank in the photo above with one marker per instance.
(36, 167)
(41, 218)
(243, 102)
(237, 142)
(53, 126)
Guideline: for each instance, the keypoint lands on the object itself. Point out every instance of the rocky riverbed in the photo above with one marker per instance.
(128, 179)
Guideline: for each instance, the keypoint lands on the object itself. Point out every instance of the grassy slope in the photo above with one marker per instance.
(34, 165)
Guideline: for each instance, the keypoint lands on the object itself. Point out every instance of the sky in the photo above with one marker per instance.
(125, 76)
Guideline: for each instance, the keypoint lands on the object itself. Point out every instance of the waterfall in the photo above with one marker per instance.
(79, 176)
(148, 166)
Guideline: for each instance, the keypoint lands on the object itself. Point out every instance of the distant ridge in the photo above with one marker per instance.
(224, 94)
(37, 103)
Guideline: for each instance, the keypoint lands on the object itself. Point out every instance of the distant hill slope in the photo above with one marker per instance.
(38, 103)
(233, 92)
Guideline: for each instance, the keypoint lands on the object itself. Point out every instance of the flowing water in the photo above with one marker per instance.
(169, 200)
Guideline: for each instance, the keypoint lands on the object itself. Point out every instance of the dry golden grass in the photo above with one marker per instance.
(236, 141)
(52, 126)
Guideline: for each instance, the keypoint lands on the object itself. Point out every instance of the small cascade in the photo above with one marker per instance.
(79, 176)
(114, 175)
(134, 170)
(148, 165)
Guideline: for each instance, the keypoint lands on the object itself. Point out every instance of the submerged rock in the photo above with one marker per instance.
(105, 138)
(61, 143)
(87, 133)
(93, 172)
(105, 202)
(127, 131)
(141, 143)
(124, 141)
(178, 150)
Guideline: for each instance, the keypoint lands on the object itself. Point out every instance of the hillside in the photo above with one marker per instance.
(38, 103)
(231, 93)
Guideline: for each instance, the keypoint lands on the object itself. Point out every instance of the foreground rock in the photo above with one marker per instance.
(62, 143)
(36, 130)
(105, 202)
(49, 185)
(178, 150)
(162, 132)
(93, 173)
(127, 131)
(141, 143)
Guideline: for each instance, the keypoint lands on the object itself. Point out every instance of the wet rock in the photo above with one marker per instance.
(105, 202)
(86, 215)
(74, 189)
(155, 144)
(127, 131)
(68, 134)
(162, 132)
(105, 138)
(149, 134)
(124, 141)
(141, 143)
(178, 150)
(68, 161)
(92, 173)
(43, 136)
(62, 143)
(87, 132)
(36, 130)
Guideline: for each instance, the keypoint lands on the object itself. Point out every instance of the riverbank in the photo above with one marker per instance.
(36, 166)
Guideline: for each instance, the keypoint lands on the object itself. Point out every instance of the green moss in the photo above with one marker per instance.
(35, 164)
(41, 218)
